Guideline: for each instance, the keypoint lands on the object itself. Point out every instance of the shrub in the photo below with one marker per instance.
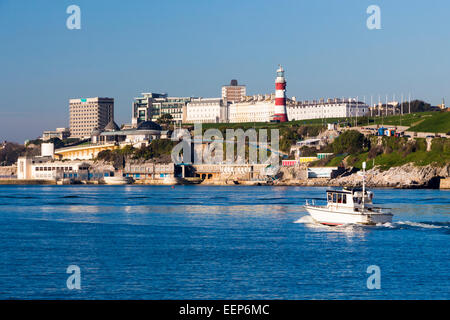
(351, 141)
(408, 148)
(374, 152)
(10, 153)
(352, 160)
(155, 149)
(308, 151)
(388, 150)
(115, 157)
(104, 155)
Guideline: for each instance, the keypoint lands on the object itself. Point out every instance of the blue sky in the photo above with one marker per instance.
(192, 47)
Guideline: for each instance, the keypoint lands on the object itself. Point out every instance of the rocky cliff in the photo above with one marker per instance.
(406, 176)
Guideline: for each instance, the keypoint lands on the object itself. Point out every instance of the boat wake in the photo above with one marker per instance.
(399, 225)
(422, 225)
(346, 228)
(305, 220)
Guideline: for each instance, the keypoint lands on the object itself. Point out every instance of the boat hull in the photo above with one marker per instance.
(117, 180)
(171, 180)
(337, 218)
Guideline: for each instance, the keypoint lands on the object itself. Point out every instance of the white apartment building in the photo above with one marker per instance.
(206, 110)
(332, 108)
(252, 111)
(261, 108)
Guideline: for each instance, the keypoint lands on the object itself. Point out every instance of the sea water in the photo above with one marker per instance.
(211, 242)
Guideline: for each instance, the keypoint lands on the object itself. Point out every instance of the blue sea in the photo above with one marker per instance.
(230, 242)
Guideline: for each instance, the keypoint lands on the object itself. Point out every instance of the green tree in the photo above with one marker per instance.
(10, 152)
(351, 141)
(165, 118)
(416, 106)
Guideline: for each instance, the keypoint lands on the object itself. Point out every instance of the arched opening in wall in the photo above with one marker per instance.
(435, 182)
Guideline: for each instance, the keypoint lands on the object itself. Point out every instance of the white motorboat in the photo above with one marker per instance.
(117, 180)
(170, 180)
(349, 206)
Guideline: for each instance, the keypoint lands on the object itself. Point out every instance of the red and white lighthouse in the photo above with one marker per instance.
(280, 97)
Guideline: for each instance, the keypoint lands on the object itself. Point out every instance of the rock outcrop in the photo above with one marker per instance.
(406, 176)
(293, 173)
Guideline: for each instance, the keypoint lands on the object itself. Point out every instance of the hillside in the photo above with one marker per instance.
(438, 122)
(351, 149)
(430, 121)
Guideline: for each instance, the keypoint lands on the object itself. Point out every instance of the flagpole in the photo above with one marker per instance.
(409, 111)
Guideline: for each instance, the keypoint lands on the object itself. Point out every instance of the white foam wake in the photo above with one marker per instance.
(421, 225)
(305, 220)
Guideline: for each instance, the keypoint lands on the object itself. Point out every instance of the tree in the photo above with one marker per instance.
(416, 106)
(351, 141)
(165, 118)
(10, 152)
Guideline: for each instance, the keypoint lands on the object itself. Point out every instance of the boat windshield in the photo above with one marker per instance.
(357, 200)
(336, 197)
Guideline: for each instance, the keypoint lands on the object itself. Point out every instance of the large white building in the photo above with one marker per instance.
(207, 110)
(331, 108)
(261, 108)
(252, 111)
(45, 168)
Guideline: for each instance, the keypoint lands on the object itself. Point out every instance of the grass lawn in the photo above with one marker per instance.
(438, 122)
(439, 155)
(430, 121)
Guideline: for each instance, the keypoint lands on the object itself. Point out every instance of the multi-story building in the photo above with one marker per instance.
(252, 110)
(332, 108)
(206, 110)
(233, 92)
(151, 106)
(61, 133)
(87, 114)
(261, 108)
(175, 106)
(142, 107)
(46, 168)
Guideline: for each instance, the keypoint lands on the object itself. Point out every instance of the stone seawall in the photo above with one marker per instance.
(26, 182)
(445, 183)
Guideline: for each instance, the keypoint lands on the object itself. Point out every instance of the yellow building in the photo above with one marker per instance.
(307, 159)
(83, 152)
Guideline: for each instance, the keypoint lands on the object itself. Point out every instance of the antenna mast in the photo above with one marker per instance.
(363, 185)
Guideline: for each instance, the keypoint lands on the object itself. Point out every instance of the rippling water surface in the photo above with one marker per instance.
(196, 242)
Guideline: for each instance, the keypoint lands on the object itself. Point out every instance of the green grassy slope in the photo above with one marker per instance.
(403, 120)
(420, 121)
(438, 122)
(395, 152)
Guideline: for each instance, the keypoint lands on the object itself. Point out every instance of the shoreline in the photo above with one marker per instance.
(444, 184)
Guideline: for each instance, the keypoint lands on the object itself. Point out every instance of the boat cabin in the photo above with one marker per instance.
(349, 197)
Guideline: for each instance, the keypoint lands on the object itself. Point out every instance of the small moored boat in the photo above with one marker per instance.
(117, 180)
(349, 206)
